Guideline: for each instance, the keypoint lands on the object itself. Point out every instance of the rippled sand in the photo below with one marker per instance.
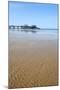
(32, 63)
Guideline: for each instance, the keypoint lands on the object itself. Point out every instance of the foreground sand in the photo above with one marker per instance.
(32, 63)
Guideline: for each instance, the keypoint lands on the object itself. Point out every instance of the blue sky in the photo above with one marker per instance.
(42, 15)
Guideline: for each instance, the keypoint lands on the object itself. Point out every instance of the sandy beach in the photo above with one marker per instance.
(32, 62)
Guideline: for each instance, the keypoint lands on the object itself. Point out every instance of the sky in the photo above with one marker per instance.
(42, 15)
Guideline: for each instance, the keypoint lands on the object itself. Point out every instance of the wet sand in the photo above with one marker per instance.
(32, 63)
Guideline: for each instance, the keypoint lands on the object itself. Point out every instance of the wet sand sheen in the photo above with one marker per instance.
(32, 63)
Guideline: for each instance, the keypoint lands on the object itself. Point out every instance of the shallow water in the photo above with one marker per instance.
(37, 34)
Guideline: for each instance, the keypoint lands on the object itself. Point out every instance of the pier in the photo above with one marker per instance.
(26, 27)
(14, 27)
